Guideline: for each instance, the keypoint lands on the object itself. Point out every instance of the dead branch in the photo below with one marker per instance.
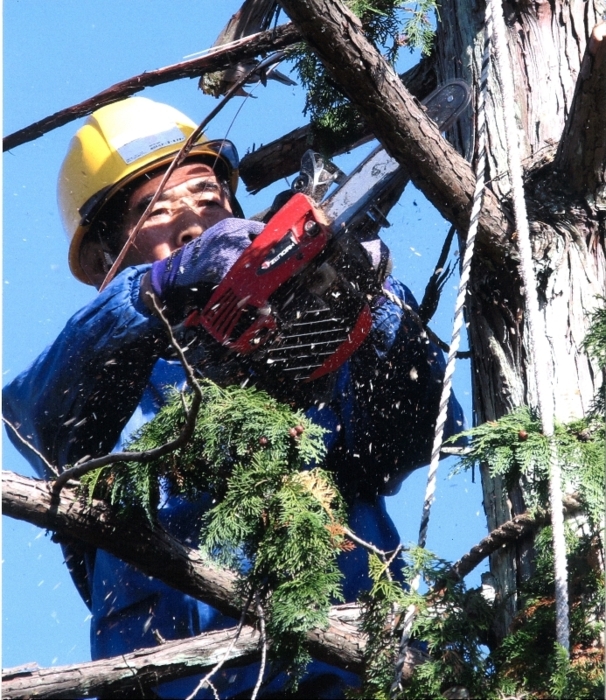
(156, 553)
(132, 673)
(582, 151)
(282, 157)
(508, 532)
(336, 35)
(254, 16)
(220, 58)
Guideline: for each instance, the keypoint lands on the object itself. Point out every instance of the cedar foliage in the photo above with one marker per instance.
(390, 25)
(277, 522)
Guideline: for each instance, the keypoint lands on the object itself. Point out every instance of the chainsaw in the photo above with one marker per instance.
(298, 302)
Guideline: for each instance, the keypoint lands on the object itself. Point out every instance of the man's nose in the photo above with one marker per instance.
(187, 225)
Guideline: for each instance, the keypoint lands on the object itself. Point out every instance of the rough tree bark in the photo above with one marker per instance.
(547, 42)
(157, 553)
(565, 200)
(132, 673)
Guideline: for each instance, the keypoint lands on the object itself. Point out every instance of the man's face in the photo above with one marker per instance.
(192, 201)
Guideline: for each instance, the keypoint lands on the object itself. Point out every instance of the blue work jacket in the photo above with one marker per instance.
(106, 375)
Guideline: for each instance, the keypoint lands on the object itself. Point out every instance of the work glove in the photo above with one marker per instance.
(188, 277)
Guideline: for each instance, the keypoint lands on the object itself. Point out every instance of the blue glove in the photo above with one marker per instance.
(189, 275)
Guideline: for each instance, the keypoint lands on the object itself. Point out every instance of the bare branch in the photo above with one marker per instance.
(157, 553)
(136, 671)
(335, 34)
(218, 59)
(582, 151)
(282, 157)
(506, 533)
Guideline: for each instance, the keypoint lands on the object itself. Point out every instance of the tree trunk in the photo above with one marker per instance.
(546, 46)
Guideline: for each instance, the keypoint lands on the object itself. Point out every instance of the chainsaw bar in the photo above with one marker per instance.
(297, 303)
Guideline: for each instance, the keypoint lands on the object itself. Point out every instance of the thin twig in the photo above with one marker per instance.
(52, 468)
(146, 455)
(366, 545)
(221, 661)
(261, 616)
(218, 58)
(178, 159)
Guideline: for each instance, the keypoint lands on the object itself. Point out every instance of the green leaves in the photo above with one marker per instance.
(234, 426)
(278, 520)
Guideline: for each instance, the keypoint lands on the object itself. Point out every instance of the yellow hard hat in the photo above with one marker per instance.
(117, 144)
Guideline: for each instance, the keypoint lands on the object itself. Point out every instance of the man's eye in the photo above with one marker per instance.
(157, 212)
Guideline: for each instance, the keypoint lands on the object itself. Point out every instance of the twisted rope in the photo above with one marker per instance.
(536, 331)
(480, 169)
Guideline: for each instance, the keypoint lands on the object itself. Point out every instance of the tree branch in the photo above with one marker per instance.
(133, 673)
(508, 532)
(218, 59)
(157, 553)
(582, 151)
(336, 35)
(282, 157)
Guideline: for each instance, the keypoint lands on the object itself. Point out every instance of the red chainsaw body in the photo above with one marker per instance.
(249, 308)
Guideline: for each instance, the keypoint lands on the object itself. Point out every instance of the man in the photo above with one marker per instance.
(109, 370)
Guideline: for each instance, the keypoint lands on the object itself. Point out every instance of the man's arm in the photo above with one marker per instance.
(75, 398)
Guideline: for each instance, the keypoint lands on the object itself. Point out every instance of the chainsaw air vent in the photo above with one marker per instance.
(222, 317)
(304, 344)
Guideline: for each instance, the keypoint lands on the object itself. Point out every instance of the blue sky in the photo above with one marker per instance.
(59, 53)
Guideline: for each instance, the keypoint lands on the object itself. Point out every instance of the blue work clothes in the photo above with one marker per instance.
(108, 373)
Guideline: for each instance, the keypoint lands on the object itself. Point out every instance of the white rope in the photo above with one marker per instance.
(480, 169)
(536, 331)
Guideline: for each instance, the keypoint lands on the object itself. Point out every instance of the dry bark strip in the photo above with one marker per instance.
(157, 553)
(336, 35)
(219, 59)
(132, 673)
(582, 151)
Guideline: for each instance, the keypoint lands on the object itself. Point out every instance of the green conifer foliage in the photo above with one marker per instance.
(595, 346)
(390, 25)
(278, 519)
